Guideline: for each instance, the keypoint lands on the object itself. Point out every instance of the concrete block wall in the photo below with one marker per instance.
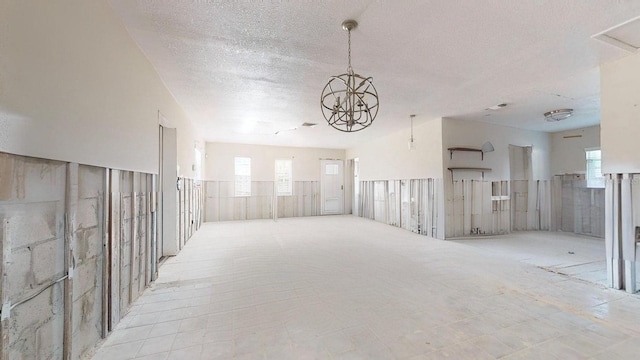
(61, 252)
(32, 207)
(89, 260)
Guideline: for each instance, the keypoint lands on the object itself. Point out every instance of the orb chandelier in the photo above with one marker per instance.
(349, 101)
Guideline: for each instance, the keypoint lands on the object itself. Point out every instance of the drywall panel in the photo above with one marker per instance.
(567, 149)
(75, 87)
(460, 133)
(389, 157)
(305, 161)
(620, 113)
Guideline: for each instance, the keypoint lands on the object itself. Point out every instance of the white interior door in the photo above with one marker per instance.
(168, 241)
(332, 183)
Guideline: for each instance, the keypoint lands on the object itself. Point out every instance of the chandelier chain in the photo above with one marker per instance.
(349, 69)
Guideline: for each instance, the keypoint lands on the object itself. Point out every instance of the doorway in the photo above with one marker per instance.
(332, 187)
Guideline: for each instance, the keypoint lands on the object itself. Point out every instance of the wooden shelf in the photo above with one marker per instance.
(468, 149)
(465, 168)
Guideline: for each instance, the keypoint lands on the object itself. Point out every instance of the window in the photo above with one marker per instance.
(331, 169)
(284, 183)
(243, 176)
(594, 168)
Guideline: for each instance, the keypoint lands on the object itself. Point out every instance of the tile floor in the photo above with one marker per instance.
(578, 256)
(349, 288)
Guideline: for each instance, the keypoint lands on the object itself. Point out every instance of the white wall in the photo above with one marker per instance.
(567, 150)
(620, 115)
(75, 87)
(460, 133)
(219, 163)
(388, 157)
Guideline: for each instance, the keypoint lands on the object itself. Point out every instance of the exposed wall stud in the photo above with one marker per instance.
(106, 253)
(71, 208)
(4, 290)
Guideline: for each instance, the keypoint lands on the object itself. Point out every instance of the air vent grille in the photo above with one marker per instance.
(625, 36)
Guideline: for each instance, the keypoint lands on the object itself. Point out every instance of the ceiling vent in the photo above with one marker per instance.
(625, 36)
(308, 124)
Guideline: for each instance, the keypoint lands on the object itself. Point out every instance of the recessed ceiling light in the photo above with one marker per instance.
(497, 107)
(557, 115)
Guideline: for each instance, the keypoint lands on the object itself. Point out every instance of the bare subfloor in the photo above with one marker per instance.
(350, 288)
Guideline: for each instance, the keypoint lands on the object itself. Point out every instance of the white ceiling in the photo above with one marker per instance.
(243, 70)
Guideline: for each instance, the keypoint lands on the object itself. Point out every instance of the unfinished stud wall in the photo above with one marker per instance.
(531, 204)
(221, 204)
(408, 204)
(64, 244)
(190, 204)
(476, 207)
(130, 241)
(305, 200)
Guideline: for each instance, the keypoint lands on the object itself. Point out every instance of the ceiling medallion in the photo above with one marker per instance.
(349, 101)
(557, 115)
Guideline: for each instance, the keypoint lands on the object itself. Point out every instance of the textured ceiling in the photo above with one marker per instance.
(244, 70)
